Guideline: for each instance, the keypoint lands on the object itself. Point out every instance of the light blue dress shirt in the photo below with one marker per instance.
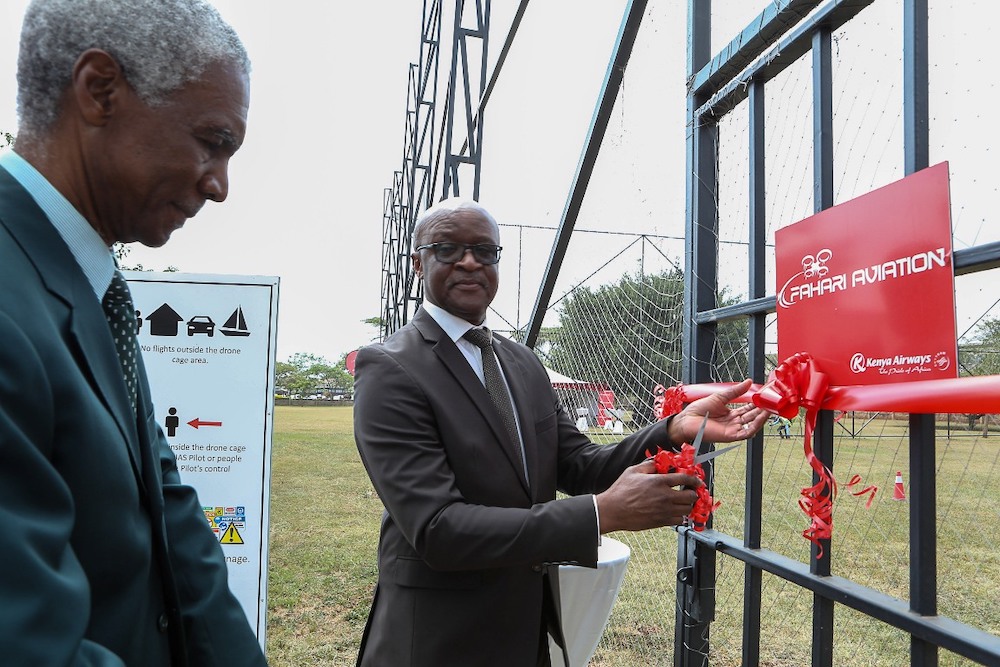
(86, 245)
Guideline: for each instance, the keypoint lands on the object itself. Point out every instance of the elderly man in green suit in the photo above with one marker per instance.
(129, 113)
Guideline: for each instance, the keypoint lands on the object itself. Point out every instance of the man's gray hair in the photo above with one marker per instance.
(446, 209)
(161, 45)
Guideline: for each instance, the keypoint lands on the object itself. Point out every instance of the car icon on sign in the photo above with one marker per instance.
(201, 324)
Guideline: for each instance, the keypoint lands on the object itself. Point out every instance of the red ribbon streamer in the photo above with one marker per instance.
(798, 382)
(871, 489)
(669, 401)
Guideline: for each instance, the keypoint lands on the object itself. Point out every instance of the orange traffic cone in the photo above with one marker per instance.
(899, 493)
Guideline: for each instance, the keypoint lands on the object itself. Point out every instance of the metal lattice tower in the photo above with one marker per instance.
(414, 185)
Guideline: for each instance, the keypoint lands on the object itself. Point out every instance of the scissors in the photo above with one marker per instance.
(701, 456)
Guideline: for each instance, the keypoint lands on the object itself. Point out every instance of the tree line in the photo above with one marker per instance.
(307, 375)
(628, 335)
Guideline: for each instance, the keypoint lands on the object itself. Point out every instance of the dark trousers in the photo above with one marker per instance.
(543, 650)
(550, 622)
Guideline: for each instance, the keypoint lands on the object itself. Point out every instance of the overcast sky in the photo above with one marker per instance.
(328, 93)
(325, 133)
(326, 126)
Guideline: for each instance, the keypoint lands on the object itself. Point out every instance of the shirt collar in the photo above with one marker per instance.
(85, 244)
(454, 326)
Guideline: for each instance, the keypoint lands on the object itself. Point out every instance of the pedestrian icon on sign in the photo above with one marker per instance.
(172, 422)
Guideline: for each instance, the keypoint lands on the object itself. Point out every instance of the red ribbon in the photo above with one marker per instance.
(667, 401)
(871, 489)
(683, 462)
(966, 395)
(798, 382)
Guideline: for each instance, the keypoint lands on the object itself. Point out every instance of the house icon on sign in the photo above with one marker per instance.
(163, 321)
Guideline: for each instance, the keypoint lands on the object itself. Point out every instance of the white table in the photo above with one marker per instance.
(587, 597)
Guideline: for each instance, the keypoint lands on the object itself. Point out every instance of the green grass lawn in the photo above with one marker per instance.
(325, 519)
(324, 531)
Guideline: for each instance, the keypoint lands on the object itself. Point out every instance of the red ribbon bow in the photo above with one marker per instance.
(798, 382)
(668, 400)
(683, 462)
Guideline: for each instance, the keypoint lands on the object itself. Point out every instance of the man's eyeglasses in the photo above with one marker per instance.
(449, 253)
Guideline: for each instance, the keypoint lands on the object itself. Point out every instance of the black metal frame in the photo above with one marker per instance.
(758, 55)
(469, 94)
(592, 147)
(412, 186)
(780, 35)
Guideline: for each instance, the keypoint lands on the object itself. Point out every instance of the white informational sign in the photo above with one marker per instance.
(208, 342)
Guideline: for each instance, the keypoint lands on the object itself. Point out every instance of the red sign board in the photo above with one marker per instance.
(867, 287)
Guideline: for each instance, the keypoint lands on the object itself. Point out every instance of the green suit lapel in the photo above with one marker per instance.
(63, 278)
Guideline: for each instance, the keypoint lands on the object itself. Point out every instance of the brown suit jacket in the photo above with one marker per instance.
(464, 541)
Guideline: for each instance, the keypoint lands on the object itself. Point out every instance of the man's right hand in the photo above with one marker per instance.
(642, 498)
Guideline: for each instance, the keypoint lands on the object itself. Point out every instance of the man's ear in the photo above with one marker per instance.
(98, 85)
(418, 267)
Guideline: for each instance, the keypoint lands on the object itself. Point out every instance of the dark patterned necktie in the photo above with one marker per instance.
(120, 312)
(495, 387)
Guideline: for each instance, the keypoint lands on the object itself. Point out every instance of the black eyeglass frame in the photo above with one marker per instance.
(474, 247)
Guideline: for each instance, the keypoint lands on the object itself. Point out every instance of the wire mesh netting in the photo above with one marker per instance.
(613, 330)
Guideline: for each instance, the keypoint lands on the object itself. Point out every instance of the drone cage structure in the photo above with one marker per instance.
(810, 105)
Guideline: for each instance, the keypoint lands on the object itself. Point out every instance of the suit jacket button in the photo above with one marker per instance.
(162, 623)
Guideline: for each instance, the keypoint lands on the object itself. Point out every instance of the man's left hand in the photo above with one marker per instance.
(724, 424)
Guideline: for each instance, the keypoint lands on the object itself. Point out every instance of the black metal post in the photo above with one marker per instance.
(755, 459)
(592, 147)
(923, 533)
(822, 637)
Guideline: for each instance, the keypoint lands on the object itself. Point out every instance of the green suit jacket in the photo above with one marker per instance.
(105, 556)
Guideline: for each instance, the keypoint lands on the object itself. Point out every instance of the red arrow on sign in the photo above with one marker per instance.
(198, 423)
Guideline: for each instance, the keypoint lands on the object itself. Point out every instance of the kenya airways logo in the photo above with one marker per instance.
(900, 364)
(816, 279)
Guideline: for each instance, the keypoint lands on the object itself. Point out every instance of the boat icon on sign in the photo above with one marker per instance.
(236, 325)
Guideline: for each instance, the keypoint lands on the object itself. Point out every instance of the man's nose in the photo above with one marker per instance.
(468, 258)
(214, 184)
